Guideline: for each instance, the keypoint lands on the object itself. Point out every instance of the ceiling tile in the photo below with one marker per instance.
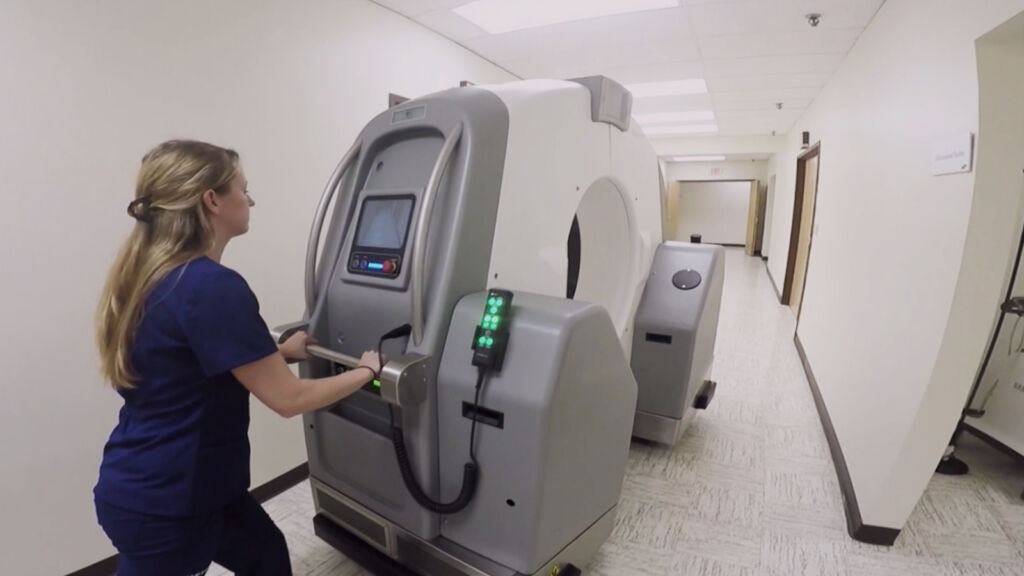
(664, 28)
(659, 71)
(754, 127)
(758, 16)
(591, 58)
(672, 104)
(726, 104)
(448, 24)
(764, 117)
(783, 95)
(745, 83)
(795, 64)
(838, 13)
(779, 43)
(649, 72)
(753, 53)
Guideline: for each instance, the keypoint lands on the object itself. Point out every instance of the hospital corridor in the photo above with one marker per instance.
(751, 490)
(512, 287)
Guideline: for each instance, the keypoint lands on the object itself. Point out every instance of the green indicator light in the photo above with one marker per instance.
(491, 302)
(376, 383)
(490, 341)
(481, 340)
(487, 319)
(501, 301)
(494, 324)
(494, 310)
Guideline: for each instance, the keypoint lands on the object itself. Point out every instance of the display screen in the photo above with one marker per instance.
(384, 223)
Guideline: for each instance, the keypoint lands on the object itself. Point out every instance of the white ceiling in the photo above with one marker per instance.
(752, 53)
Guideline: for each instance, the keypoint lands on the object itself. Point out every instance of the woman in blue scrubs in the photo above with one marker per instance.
(182, 341)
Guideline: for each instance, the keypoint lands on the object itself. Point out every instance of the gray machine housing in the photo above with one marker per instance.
(554, 466)
(674, 334)
(551, 475)
(349, 445)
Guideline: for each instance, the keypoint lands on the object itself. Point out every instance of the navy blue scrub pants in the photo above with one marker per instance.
(241, 538)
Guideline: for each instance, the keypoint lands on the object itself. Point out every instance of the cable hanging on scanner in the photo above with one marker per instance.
(489, 343)
(470, 471)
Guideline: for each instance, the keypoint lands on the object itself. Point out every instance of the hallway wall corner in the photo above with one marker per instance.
(878, 535)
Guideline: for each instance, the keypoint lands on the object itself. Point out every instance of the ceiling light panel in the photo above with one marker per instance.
(500, 16)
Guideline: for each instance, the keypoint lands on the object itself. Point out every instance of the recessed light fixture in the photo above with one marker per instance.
(680, 129)
(499, 16)
(689, 116)
(697, 159)
(671, 88)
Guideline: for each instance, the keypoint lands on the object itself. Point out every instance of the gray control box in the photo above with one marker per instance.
(675, 327)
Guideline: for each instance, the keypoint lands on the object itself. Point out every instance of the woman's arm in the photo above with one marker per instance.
(270, 380)
(294, 348)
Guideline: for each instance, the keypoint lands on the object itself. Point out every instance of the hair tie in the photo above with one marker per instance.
(141, 209)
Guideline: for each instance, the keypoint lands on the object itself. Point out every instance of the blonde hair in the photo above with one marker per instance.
(172, 229)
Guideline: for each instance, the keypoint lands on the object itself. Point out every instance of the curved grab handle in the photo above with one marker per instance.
(420, 245)
(318, 222)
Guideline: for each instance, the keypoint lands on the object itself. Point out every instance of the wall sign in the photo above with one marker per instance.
(953, 154)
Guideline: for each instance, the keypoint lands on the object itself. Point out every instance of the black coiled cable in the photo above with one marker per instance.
(470, 472)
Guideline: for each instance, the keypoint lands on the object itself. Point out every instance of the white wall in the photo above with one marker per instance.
(732, 170)
(886, 257)
(997, 215)
(715, 210)
(695, 145)
(87, 88)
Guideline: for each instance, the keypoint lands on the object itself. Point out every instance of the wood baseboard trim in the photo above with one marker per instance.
(772, 278)
(994, 443)
(105, 567)
(854, 524)
(262, 493)
(275, 486)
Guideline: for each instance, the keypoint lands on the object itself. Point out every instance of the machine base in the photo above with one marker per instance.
(661, 429)
(393, 552)
(667, 430)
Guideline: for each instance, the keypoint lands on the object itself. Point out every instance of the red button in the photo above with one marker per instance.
(389, 266)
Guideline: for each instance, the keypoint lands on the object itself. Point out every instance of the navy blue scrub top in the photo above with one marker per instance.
(181, 444)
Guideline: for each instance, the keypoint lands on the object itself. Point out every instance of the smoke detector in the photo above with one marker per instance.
(814, 19)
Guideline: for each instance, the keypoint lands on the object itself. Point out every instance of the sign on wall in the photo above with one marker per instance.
(953, 154)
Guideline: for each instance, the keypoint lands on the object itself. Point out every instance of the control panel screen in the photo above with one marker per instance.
(381, 235)
(384, 223)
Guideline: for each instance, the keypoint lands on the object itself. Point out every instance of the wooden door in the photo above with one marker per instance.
(803, 229)
(753, 219)
(762, 206)
(670, 221)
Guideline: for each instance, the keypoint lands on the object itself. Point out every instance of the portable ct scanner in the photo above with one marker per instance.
(502, 246)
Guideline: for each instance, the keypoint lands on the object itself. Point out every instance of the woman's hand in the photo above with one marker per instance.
(372, 361)
(294, 348)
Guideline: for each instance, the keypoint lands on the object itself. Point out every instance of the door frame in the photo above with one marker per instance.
(794, 235)
(755, 220)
